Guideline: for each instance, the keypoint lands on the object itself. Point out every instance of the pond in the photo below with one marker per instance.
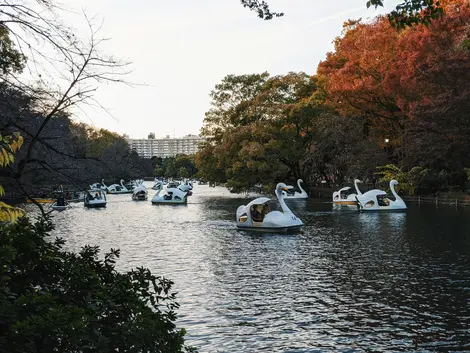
(348, 282)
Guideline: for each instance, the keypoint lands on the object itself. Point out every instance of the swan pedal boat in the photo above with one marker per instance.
(293, 194)
(95, 199)
(140, 193)
(172, 196)
(377, 200)
(345, 197)
(250, 217)
(118, 188)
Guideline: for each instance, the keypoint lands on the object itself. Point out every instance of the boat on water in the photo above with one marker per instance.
(377, 200)
(101, 186)
(60, 204)
(258, 215)
(140, 193)
(118, 188)
(346, 196)
(95, 198)
(156, 182)
(294, 193)
(170, 196)
(186, 187)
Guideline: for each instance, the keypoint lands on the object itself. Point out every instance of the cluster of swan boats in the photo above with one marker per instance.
(258, 216)
(175, 192)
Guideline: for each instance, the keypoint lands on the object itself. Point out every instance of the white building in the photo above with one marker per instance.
(165, 147)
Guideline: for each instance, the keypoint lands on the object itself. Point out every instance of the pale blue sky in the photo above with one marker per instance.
(182, 48)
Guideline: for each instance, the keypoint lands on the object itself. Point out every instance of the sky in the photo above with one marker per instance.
(180, 49)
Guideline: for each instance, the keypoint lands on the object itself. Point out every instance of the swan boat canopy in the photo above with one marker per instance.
(95, 198)
(156, 183)
(101, 186)
(172, 196)
(185, 187)
(118, 188)
(377, 200)
(140, 193)
(293, 193)
(345, 196)
(258, 216)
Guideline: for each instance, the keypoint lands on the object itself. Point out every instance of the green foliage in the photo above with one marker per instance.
(467, 170)
(261, 8)
(10, 59)
(158, 172)
(57, 301)
(8, 146)
(408, 181)
(181, 166)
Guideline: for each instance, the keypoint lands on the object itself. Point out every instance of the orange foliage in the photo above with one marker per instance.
(353, 74)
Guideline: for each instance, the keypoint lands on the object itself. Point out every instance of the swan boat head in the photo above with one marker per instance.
(291, 193)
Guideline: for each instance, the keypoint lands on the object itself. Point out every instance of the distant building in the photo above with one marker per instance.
(165, 147)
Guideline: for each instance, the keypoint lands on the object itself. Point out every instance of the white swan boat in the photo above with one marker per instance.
(140, 193)
(156, 183)
(377, 200)
(292, 193)
(344, 196)
(118, 188)
(172, 196)
(101, 186)
(258, 216)
(185, 187)
(95, 198)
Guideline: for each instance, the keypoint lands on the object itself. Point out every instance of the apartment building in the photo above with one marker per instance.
(165, 147)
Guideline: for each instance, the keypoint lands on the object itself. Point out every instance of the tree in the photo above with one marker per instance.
(407, 13)
(354, 73)
(54, 300)
(159, 172)
(408, 182)
(57, 81)
(183, 173)
(259, 129)
(429, 79)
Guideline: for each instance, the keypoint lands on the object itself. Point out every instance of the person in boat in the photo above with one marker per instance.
(256, 215)
(265, 210)
(67, 196)
(60, 201)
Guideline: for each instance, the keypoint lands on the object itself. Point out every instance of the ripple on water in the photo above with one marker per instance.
(348, 282)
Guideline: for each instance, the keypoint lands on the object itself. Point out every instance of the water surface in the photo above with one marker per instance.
(349, 282)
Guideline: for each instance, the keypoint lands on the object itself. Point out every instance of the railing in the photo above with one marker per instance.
(457, 201)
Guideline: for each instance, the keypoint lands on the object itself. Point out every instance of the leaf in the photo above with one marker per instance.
(20, 141)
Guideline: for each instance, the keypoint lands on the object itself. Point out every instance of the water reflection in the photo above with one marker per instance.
(349, 281)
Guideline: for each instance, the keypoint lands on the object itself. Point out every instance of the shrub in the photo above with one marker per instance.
(52, 300)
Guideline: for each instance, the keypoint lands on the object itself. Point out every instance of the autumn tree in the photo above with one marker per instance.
(430, 80)
(353, 76)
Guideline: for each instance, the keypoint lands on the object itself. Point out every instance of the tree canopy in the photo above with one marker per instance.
(406, 13)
